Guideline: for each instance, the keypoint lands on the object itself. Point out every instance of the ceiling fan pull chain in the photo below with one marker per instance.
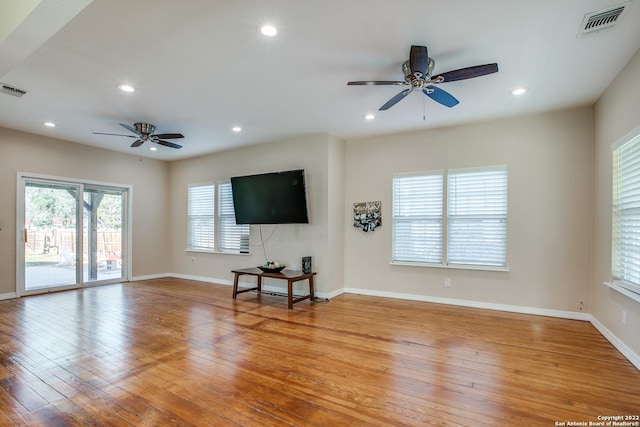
(424, 109)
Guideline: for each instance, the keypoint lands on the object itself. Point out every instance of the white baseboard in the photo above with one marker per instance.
(475, 304)
(617, 343)
(201, 279)
(9, 295)
(149, 277)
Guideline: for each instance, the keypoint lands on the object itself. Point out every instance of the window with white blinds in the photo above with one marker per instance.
(477, 217)
(201, 201)
(231, 237)
(212, 224)
(458, 222)
(417, 218)
(625, 263)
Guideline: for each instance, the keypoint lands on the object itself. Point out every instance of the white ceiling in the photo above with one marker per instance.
(201, 67)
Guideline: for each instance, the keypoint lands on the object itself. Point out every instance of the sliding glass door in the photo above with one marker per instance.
(103, 233)
(50, 239)
(75, 234)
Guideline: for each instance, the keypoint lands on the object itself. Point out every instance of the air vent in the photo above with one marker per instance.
(10, 90)
(596, 21)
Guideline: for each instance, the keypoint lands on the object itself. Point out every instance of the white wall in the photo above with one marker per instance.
(549, 161)
(616, 113)
(313, 153)
(23, 152)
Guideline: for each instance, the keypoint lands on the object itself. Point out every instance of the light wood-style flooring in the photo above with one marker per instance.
(177, 352)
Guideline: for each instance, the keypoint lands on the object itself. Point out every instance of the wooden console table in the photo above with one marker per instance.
(290, 276)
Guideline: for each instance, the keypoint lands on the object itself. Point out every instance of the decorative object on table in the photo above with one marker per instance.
(272, 267)
(306, 265)
(367, 216)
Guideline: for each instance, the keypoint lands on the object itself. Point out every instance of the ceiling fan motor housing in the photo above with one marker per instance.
(144, 128)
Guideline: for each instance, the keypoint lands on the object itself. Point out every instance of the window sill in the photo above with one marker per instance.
(203, 251)
(453, 266)
(624, 291)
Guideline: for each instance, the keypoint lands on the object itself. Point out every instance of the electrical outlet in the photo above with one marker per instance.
(624, 317)
(581, 305)
(193, 260)
(447, 282)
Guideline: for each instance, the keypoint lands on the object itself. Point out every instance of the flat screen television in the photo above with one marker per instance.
(270, 198)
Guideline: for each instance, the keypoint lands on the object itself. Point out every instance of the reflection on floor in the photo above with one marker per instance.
(47, 276)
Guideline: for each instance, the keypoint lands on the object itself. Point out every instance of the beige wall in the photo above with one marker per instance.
(22, 152)
(549, 161)
(317, 155)
(616, 113)
(559, 230)
(336, 213)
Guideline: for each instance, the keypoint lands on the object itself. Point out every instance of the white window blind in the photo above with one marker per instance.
(231, 237)
(626, 215)
(212, 221)
(477, 217)
(460, 222)
(417, 218)
(201, 211)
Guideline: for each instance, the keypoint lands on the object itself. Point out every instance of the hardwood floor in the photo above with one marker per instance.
(176, 352)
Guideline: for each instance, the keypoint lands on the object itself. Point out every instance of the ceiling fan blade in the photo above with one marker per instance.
(393, 101)
(467, 73)
(167, 143)
(114, 134)
(130, 128)
(418, 60)
(441, 96)
(137, 143)
(169, 135)
(376, 83)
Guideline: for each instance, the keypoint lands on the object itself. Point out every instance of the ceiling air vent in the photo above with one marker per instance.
(600, 20)
(10, 90)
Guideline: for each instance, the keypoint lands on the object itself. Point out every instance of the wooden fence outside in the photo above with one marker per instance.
(52, 241)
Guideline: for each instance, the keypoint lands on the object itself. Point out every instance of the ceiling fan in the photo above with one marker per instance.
(144, 133)
(418, 75)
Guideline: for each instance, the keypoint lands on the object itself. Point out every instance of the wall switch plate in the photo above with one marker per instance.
(447, 282)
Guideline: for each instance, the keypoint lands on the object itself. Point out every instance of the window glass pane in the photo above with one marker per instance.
(231, 237)
(417, 218)
(626, 215)
(201, 200)
(477, 217)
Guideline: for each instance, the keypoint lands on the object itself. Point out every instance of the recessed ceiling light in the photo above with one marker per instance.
(126, 88)
(519, 91)
(236, 129)
(153, 148)
(49, 124)
(268, 30)
(369, 117)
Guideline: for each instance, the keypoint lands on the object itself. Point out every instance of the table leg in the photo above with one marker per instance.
(311, 290)
(290, 293)
(259, 283)
(235, 285)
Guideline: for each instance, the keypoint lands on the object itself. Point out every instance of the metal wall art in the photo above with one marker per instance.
(367, 216)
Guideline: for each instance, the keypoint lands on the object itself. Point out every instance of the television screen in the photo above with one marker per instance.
(270, 198)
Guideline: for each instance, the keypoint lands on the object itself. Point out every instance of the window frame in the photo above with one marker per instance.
(217, 223)
(630, 209)
(496, 213)
(444, 261)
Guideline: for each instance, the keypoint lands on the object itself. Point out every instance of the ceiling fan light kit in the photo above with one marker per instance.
(418, 75)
